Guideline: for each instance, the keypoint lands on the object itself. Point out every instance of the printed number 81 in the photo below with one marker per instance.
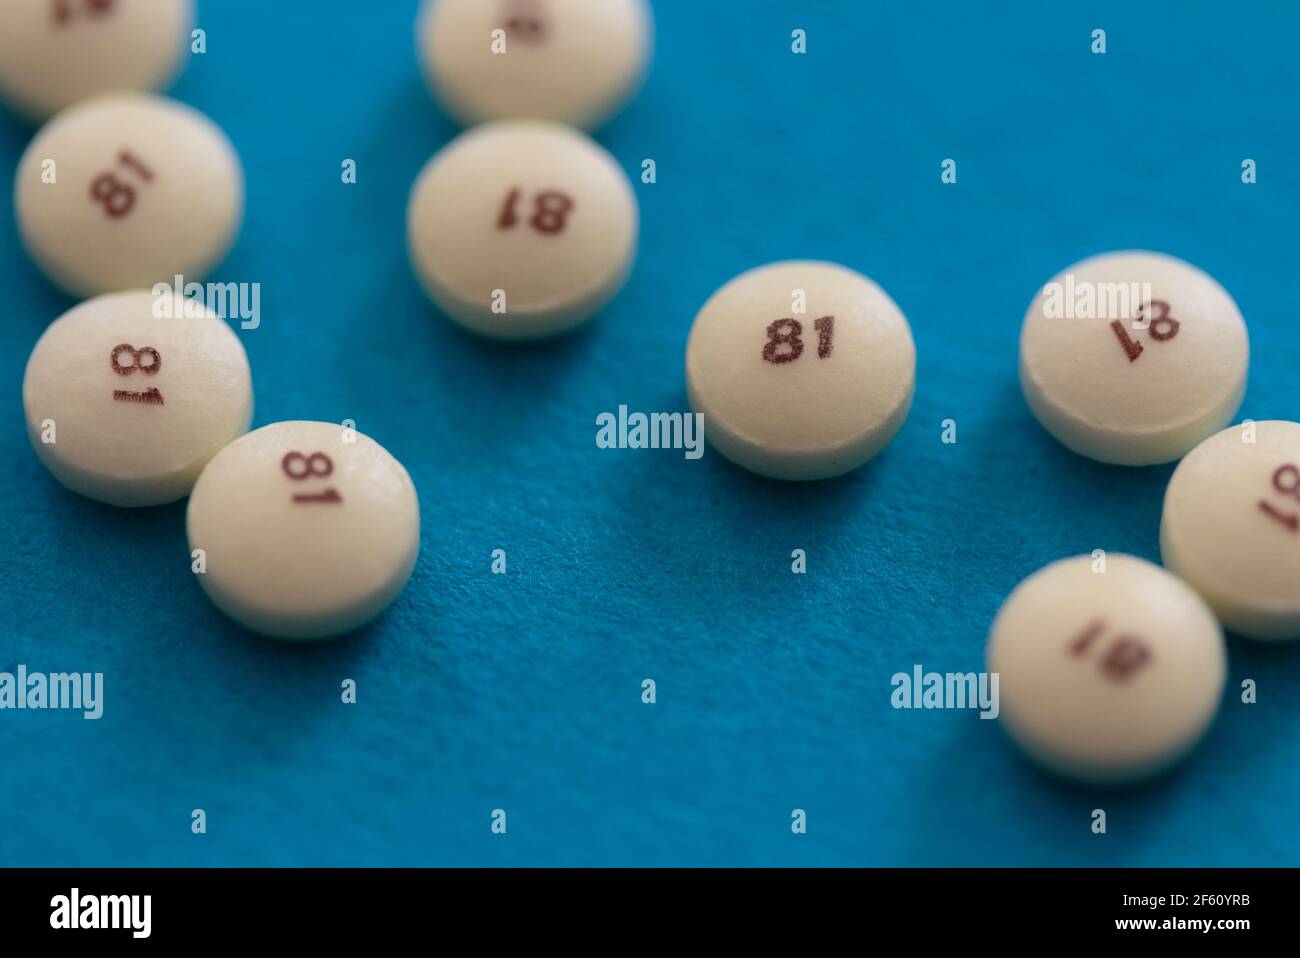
(784, 344)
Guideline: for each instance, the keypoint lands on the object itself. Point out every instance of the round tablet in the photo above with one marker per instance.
(55, 52)
(573, 61)
(1106, 676)
(522, 229)
(803, 370)
(1231, 527)
(126, 405)
(308, 529)
(1133, 358)
(128, 190)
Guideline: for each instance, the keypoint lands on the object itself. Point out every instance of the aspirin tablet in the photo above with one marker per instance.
(55, 52)
(126, 407)
(572, 61)
(128, 190)
(1133, 358)
(522, 229)
(307, 529)
(1231, 527)
(803, 370)
(1106, 676)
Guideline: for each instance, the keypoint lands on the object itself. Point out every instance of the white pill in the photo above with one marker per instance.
(1133, 358)
(1106, 676)
(522, 229)
(55, 52)
(1231, 527)
(803, 370)
(128, 190)
(127, 406)
(572, 61)
(308, 529)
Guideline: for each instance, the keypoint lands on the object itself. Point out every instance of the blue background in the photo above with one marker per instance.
(522, 691)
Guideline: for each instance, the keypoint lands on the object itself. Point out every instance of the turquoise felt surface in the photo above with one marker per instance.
(522, 691)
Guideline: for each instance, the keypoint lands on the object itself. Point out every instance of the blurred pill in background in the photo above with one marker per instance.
(127, 190)
(1110, 669)
(572, 61)
(1231, 526)
(56, 52)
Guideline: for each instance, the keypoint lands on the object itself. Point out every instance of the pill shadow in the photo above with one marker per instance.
(130, 555)
(269, 703)
(462, 388)
(16, 132)
(138, 614)
(691, 527)
(408, 614)
(1036, 813)
(1037, 817)
(1063, 495)
(1263, 733)
(408, 132)
(51, 302)
(819, 503)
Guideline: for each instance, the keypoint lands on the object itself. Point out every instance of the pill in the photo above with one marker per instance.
(126, 405)
(56, 52)
(306, 529)
(1231, 526)
(522, 229)
(572, 61)
(1109, 668)
(802, 370)
(1133, 358)
(128, 190)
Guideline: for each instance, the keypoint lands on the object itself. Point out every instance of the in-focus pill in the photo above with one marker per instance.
(128, 190)
(56, 52)
(308, 529)
(1231, 526)
(1106, 676)
(803, 370)
(1133, 358)
(572, 61)
(126, 407)
(522, 229)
